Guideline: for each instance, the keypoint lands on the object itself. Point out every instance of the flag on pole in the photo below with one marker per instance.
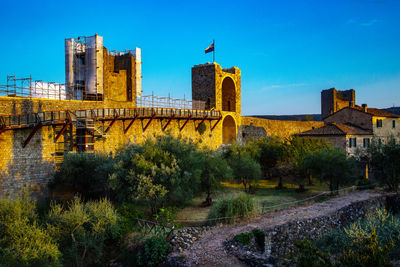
(209, 49)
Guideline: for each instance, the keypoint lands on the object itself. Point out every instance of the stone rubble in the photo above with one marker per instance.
(185, 237)
(250, 255)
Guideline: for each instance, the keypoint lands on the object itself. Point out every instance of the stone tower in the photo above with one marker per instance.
(94, 73)
(333, 100)
(221, 90)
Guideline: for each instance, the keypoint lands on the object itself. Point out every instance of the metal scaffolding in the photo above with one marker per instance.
(25, 87)
(169, 102)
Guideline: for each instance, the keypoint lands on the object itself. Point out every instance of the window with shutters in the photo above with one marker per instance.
(366, 142)
(353, 142)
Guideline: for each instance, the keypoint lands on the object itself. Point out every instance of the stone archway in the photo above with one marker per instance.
(228, 130)
(228, 95)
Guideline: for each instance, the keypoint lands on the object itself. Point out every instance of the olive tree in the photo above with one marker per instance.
(332, 166)
(214, 170)
(297, 151)
(385, 162)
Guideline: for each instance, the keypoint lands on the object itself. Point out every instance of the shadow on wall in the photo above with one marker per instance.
(26, 166)
(228, 130)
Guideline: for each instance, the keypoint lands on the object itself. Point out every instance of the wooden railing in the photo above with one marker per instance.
(59, 117)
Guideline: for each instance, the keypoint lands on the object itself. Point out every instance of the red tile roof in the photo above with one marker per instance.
(377, 112)
(336, 129)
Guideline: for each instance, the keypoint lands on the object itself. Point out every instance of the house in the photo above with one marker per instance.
(345, 136)
(353, 127)
(383, 125)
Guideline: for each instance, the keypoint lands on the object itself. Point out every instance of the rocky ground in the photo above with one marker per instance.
(205, 246)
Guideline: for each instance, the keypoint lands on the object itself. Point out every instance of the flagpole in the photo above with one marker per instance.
(214, 51)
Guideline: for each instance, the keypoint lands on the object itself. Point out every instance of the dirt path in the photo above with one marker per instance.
(209, 250)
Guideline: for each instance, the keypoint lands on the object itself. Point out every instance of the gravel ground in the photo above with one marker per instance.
(208, 250)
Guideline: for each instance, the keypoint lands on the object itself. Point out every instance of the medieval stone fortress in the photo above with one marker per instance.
(102, 106)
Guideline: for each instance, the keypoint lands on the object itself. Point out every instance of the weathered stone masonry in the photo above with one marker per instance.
(34, 164)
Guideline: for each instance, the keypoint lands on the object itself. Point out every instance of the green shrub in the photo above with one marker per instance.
(166, 216)
(364, 183)
(307, 255)
(214, 170)
(244, 238)
(153, 252)
(162, 171)
(128, 213)
(259, 237)
(26, 244)
(297, 150)
(245, 169)
(384, 160)
(385, 225)
(333, 241)
(332, 166)
(82, 229)
(365, 251)
(86, 173)
(22, 241)
(227, 210)
(267, 151)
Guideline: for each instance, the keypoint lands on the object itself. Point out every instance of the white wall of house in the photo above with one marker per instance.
(356, 142)
(385, 130)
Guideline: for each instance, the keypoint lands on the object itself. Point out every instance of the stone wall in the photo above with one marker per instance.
(34, 165)
(30, 166)
(246, 132)
(203, 84)
(281, 238)
(16, 105)
(386, 132)
(283, 129)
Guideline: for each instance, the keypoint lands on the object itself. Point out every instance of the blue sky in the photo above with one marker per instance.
(288, 51)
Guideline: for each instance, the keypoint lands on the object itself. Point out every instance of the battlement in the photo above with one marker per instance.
(232, 70)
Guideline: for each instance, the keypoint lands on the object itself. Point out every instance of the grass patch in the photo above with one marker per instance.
(266, 195)
(228, 210)
(244, 238)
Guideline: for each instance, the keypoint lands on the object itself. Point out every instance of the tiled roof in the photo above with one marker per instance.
(336, 129)
(377, 112)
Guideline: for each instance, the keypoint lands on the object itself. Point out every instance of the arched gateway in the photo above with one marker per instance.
(228, 130)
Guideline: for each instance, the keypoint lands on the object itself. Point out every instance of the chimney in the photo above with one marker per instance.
(364, 106)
